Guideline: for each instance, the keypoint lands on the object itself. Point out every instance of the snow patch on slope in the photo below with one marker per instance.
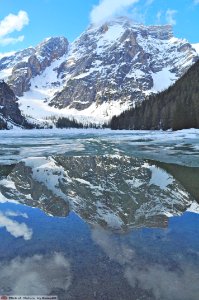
(194, 208)
(7, 54)
(5, 73)
(196, 47)
(159, 177)
(162, 80)
(45, 171)
(45, 85)
(35, 107)
(111, 36)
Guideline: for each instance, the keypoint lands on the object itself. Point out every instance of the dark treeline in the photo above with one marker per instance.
(65, 122)
(176, 108)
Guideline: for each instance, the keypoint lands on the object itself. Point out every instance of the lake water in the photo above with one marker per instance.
(98, 214)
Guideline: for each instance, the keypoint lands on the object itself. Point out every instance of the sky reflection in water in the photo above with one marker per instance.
(73, 259)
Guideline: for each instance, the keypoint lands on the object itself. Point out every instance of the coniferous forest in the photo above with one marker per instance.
(175, 108)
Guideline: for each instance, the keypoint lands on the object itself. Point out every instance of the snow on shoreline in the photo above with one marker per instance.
(169, 134)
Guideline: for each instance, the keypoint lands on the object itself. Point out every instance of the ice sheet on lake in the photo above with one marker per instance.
(179, 147)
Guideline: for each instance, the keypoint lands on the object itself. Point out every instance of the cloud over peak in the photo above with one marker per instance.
(170, 16)
(109, 8)
(106, 9)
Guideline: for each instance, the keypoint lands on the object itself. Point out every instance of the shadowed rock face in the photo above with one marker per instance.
(115, 191)
(3, 124)
(31, 62)
(9, 108)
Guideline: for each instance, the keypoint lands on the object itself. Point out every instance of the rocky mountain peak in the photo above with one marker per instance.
(164, 32)
(19, 68)
(119, 63)
(53, 47)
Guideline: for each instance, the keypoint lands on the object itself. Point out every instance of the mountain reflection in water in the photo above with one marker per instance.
(113, 191)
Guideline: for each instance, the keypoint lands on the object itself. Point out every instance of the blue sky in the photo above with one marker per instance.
(28, 22)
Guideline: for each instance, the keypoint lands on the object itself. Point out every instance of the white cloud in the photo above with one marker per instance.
(170, 14)
(13, 227)
(10, 24)
(115, 249)
(158, 17)
(2, 198)
(10, 213)
(108, 8)
(149, 2)
(39, 274)
(138, 16)
(9, 40)
(164, 282)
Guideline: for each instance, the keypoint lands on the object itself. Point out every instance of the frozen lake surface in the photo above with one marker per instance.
(180, 147)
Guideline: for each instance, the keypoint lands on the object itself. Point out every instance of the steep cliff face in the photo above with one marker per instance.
(9, 108)
(22, 66)
(105, 71)
(176, 108)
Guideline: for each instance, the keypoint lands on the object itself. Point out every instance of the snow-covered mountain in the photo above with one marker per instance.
(102, 73)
